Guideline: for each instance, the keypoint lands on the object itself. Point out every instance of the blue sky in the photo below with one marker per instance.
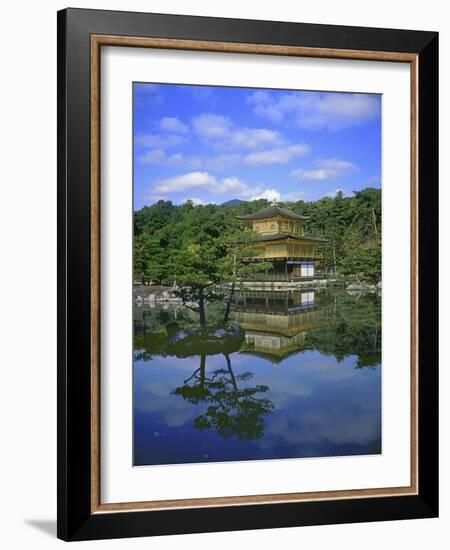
(211, 144)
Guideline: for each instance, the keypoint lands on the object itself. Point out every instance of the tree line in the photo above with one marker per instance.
(181, 244)
(196, 248)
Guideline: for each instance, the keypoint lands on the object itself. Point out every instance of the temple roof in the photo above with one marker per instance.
(279, 236)
(273, 211)
(275, 356)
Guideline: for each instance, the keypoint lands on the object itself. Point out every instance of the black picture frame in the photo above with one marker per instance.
(75, 519)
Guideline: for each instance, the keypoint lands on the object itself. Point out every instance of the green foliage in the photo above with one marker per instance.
(352, 225)
(237, 243)
(363, 262)
(350, 327)
(195, 247)
(353, 328)
(150, 260)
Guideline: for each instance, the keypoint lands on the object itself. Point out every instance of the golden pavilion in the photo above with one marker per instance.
(282, 242)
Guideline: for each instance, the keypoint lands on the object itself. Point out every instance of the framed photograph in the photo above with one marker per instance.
(247, 274)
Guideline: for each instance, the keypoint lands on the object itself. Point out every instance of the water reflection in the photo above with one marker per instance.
(276, 324)
(232, 409)
(218, 394)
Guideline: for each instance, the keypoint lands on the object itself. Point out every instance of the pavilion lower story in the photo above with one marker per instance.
(288, 269)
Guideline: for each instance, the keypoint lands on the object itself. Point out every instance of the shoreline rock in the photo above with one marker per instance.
(362, 287)
(152, 295)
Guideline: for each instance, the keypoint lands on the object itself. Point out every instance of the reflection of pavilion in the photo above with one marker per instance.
(276, 323)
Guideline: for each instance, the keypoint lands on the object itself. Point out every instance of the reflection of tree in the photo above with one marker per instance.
(349, 326)
(231, 410)
(178, 339)
(353, 329)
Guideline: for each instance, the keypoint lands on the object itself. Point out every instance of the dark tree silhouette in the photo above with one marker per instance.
(231, 410)
(354, 329)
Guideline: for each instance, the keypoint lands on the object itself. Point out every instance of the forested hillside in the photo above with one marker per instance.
(176, 243)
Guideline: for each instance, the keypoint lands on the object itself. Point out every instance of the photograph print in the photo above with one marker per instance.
(256, 274)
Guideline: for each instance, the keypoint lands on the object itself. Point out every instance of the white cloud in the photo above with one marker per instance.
(254, 138)
(343, 166)
(202, 93)
(278, 155)
(258, 97)
(274, 195)
(340, 110)
(178, 160)
(192, 180)
(269, 194)
(374, 180)
(234, 186)
(265, 107)
(223, 162)
(183, 161)
(281, 155)
(196, 201)
(211, 185)
(154, 156)
(332, 194)
(219, 163)
(212, 126)
(326, 169)
(208, 183)
(157, 141)
(319, 174)
(316, 111)
(220, 132)
(173, 124)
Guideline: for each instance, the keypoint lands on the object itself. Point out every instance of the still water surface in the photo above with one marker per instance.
(291, 375)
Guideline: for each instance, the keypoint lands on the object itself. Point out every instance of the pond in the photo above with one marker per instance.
(291, 375)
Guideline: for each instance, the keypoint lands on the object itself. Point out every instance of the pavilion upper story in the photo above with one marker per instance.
(275, 220)
(282, 236)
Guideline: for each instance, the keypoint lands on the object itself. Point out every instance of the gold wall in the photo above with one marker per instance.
(272, 226)
(286, 249)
